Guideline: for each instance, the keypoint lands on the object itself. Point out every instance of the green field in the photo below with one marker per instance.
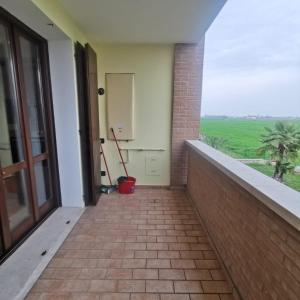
(243, 139)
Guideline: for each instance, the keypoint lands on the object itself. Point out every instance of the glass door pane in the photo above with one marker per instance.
(11, 138)
(34, 97)
(42, 181)
(17, 199)
(32, 76)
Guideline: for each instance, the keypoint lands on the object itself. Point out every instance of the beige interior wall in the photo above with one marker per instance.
(152, 65)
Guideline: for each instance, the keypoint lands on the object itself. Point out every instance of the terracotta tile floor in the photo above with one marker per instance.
(145, 246)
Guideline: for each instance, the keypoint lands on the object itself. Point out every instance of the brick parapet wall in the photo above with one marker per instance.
(260, 250)
(187, 90)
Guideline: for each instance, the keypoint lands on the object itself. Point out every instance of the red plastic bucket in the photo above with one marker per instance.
(126, 185)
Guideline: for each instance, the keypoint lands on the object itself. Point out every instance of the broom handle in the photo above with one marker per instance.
(105, 164)
(113, 132)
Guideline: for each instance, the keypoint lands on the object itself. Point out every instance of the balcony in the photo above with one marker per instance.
(232, 233)
(200, 225)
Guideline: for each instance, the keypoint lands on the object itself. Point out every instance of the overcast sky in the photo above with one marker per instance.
(252, 59)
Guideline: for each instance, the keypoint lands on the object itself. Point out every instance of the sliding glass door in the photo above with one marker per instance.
(28, 180)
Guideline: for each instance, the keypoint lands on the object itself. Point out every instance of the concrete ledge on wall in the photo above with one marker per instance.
(281, 199)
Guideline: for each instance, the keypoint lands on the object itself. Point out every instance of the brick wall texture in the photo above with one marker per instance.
(260, 250)
(187, 89)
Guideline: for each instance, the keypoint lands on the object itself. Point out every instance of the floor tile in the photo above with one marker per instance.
(144, 246)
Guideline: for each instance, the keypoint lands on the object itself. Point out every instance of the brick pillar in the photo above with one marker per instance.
(187, 90)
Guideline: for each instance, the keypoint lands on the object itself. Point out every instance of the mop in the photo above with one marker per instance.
(126, 185)
(105, 188)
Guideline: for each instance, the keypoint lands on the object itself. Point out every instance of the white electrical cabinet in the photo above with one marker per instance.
(153, 165)
(120, 105)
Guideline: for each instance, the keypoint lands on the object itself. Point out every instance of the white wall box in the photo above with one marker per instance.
(153, 165)
(120, 105)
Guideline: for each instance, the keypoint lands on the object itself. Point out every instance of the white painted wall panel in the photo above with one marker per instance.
(64, 91)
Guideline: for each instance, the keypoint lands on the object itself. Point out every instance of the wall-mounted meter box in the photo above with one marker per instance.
(120, 105)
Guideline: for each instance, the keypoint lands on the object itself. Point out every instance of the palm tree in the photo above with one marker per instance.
(282, 143)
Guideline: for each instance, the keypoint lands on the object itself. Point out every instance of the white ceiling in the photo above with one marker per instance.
(144, 21)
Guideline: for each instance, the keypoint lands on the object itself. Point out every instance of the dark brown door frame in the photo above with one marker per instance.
(86, 68)
(83, 123)
(11, 237)
(10, 240)
(38, 211)
(93, 117)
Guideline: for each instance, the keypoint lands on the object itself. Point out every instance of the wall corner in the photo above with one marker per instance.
(186, 105)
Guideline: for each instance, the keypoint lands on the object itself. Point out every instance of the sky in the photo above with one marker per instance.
(252, 59)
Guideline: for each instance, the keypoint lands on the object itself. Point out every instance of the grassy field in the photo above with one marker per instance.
(243, 139)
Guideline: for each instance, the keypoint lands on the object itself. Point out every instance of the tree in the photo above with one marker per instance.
(282, 143)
